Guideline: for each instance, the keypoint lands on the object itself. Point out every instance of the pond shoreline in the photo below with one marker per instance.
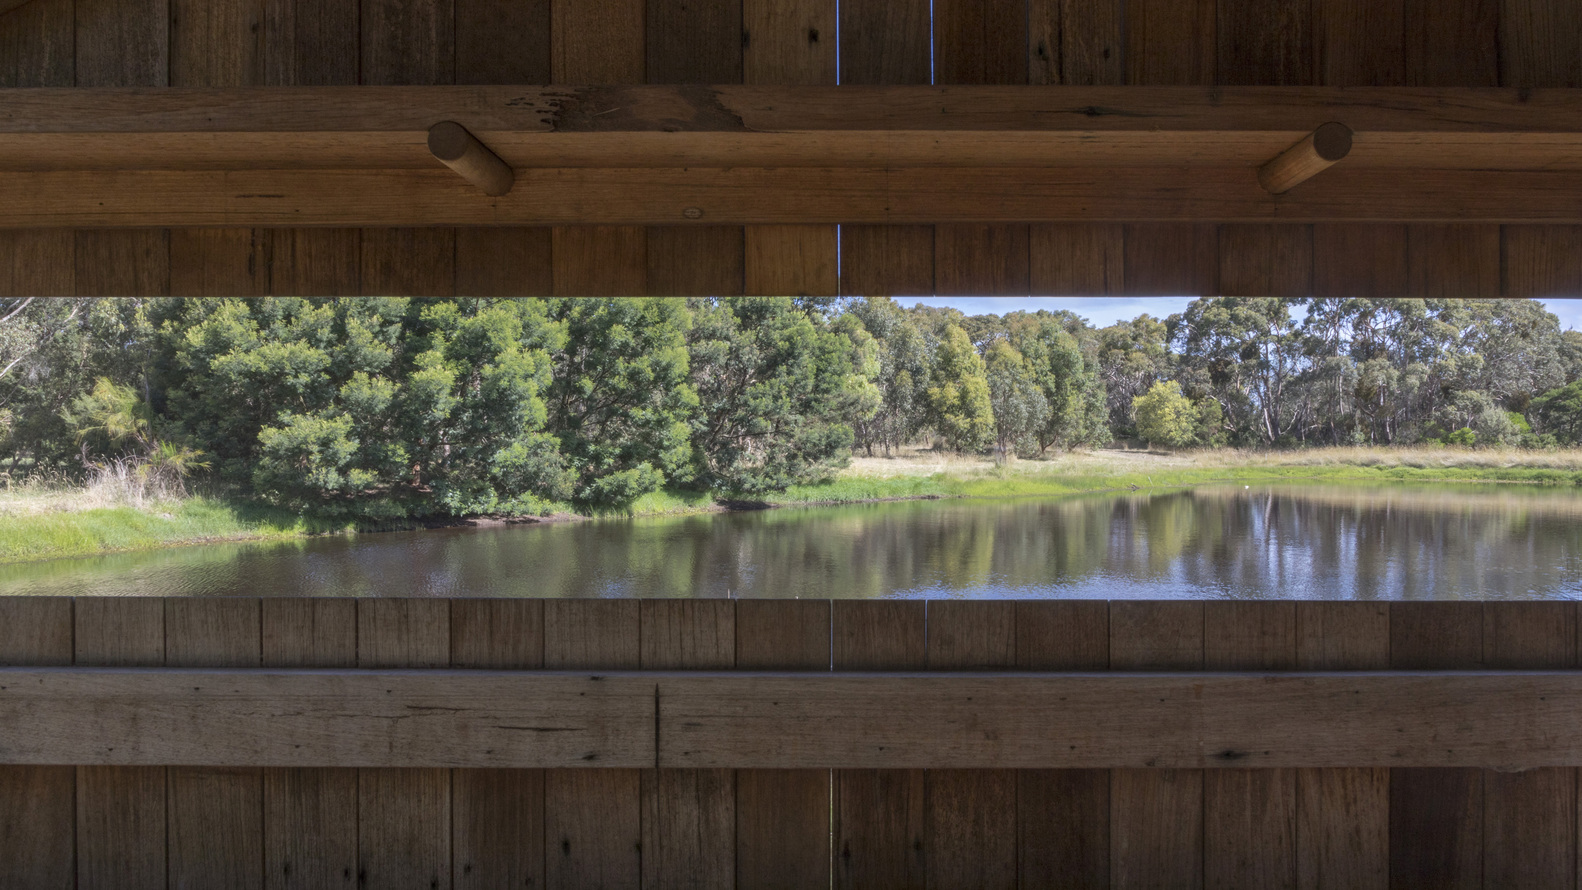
(64, 533)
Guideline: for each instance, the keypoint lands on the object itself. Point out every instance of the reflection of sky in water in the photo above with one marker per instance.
(1295, 542)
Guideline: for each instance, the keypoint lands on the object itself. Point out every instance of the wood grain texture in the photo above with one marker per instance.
(980, 41)
(887, 260)
(310, 814)
(408, 261)
(1171, 42)
(1540, 44)
(503, 261)
(1063, 821)
(1270, 44)
(37, 45)
(1076, 42)
(497, 633)
(1452, 43)
(502, 42)
(783, 816)
(121, 827)
(1359, 43)
(37, 830)
(311, 42)
(122, 263)
(592, 634)
(600, 261)
(1359, 260)
(1171, 259)
(699, 41)
(1265, 261)
(1542, 261)
(789, 41)
(981, 259)
(122, 43)
(885, 42)
(407, 41)
(1154, 636)
(593, 828)
(315, 262)
(1342, 636)
(216, 43)
(38, 263)
(800, 260)
(215, 819)
(695, 261)
(1076, 260)
(597, 41)
(1453, 261)
(219, 262)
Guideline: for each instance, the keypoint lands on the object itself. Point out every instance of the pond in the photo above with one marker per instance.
(1285, 542)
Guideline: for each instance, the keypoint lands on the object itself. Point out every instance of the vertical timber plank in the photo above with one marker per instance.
(38, 45)
(315, 262)
(600, 261)
(797, 261)
(1265, 260)
(404, 815)
(310, 815)
(789, 41)
(981, 260)
(1171, 42)
(1249, 815)
(1262, 43)
(407, 42)
(1359, 260)
(122, 43)
(1359, 43)
(1542, 261)
(37, 810)
(1529, 818)
(1343, 819)
(1452, 43)
(1436, 815)
(882, 261)
(408, 262)
(1063, 816)
(1156, 815)
(592, 817)
(1076, 42)
(498, 823)
(215, 815)
(689, 815)
(970, 835)
(38, 262)
(879, 813)
(783, 816)
(122, 262)
(216, 43)
(1076, 260)
(219, 262)
(120, 810)
(503, 261)
(1453, 261)
(311, 42)
(502, 43)
(695, 261)
(1540, 44)
(1171, 259)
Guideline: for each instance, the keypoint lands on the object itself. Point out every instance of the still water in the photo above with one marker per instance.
(1289, 542)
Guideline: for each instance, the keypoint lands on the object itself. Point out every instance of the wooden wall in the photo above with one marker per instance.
(157, 827)
(1516, 43)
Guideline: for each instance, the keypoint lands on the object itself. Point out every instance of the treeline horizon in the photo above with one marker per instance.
(388, 407)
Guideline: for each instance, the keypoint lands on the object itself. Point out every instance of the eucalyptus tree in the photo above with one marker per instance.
(902, 376)
(1020, 409)
(958, 394)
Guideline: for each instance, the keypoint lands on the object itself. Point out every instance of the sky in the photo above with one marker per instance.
(1104, 311)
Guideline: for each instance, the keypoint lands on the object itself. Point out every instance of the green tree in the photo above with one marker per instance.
(1018, 403)
(958, 394)
(622, 401)
(1558, 412)
(1069, 382)
(1165, 416)
(902, 377)
(775, 387)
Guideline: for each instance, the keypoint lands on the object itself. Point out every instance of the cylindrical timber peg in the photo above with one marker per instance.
(1315, 153)
(472, 160)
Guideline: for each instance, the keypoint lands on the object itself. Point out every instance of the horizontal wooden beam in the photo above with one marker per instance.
(674, 196)
(735, 126)
(1499, 720)
(324, 718)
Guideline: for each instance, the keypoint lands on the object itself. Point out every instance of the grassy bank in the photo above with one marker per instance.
(46, 522)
